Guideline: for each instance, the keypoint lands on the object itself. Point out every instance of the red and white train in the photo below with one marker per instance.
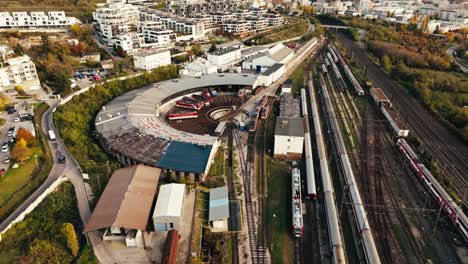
(265, 112)
(296, 199)
(454, 212)
(189, 105)
(183, 115)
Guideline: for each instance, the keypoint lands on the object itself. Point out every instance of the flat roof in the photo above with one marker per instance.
(293, 127)
(127, 199)
(219, 203)
(186, 157)
(224, 51)
(129, 125)
(150, 53)
(170, 200)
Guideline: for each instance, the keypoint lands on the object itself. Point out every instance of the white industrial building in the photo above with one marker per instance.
(53, 19)
(168, 210)
(18, 70)
(219, 209)
(225, 58)
(271, 75)
(262, 61)
(289, 138)
(151, 59)
(198, 67)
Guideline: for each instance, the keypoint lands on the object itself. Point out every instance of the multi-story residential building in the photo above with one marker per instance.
(236, 27)
(155, 32)
(274, 19)
(241, 14)
(208, 20)
(151, 60)
(257, 23)
(193, 7)
(130, 42)
(114, 19)
(53, 19)
(190, 27)
(220, 17)
(16, 70)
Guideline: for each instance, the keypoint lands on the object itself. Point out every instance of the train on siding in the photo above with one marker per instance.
(357, 86)
(296, 200)
(309, 162)
(183, 115)
(453, 211)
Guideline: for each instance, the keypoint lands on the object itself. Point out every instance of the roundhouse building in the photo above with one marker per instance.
(131, 128)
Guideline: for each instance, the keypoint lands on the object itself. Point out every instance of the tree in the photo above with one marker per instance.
(68, 231)
(3, 101)
(24, 134)
(45, 252)
(20, 153)
(21, 143)
(386, 63)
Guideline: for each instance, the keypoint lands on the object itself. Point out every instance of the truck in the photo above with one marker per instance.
(51, 135)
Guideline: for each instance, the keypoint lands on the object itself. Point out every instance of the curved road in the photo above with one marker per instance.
(449, 52)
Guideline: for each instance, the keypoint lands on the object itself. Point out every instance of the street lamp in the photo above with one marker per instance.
(35, 159)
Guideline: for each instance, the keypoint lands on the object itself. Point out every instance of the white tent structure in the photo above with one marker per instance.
(168, 210)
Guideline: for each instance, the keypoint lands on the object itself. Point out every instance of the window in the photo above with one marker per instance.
(171, 225)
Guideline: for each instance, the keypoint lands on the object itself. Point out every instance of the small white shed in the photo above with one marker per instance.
(168, 210)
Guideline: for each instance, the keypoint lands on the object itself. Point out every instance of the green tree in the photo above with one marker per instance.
(46, 252)
(386, 63)
(68, 231)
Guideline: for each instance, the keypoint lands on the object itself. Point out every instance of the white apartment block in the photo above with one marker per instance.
(151, 60)
(190, 27)
(53, 19)
(236, 27)
(114, 19)
(257, 23)
(131, 42)
(14, 71)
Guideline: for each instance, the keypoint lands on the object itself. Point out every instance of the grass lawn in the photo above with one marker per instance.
(14, 179)
(278, 213)
(200, 220)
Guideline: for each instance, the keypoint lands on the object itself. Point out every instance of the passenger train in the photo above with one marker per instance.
(298, 226)
(454, 212)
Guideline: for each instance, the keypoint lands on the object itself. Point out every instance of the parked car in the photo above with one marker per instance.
(16, 119)
(2, 172)
(5, 148)
(6, 160)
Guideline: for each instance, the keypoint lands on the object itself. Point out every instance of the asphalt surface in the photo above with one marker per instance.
(449, 52)
(449, 151)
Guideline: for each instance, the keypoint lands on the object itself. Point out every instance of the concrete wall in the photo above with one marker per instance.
(34, 204)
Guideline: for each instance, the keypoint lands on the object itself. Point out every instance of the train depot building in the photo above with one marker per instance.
(289, 128)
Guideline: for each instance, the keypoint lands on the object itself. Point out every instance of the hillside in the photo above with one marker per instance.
(81, 9)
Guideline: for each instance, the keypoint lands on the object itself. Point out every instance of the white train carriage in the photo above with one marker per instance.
(324, 69)
(296, 199)
(309, 160)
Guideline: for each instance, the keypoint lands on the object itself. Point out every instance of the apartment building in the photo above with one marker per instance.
(155, 32)
(236, 27)
(52, 19)
(131, 42)
(257, 23)
(114, 19)
(191, 8)
(192, 28)
(151, 60)
(16, 70)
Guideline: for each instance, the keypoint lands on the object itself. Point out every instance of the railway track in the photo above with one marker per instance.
(258, 253)
(446, 148)
(232, 196)
(298, 257)
(384, 186)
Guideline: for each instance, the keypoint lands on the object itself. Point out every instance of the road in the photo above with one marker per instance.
(449, 52)
(449, 151)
